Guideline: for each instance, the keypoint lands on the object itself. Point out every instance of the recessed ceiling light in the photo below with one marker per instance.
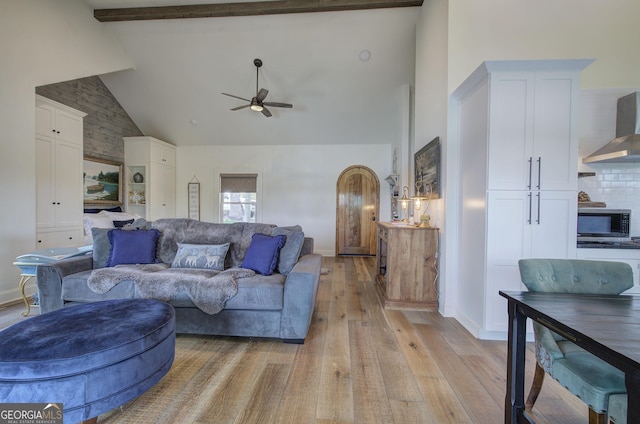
(364, 55)
(194, 122)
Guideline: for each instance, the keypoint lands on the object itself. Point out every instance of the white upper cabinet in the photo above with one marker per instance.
(163, 153)
(58, 121)
(59, 154)
(532, 132)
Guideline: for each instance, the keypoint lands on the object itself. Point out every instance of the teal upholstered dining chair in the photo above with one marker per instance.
(618, 409)
(583, 374)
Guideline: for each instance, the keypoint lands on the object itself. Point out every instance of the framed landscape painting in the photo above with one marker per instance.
(102, 182)
(427, 169)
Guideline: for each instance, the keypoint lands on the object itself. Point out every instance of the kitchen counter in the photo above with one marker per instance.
(610, 245)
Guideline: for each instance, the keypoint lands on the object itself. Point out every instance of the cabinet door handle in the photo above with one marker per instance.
(530, 172)
(538, 219)
(539, 169)
(530, 200)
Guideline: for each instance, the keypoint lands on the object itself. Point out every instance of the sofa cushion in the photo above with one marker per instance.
(290, 252)
(132, 247)
(75, 289)
(259, 292)
(101, 247)
(263, 252)
(208, 256)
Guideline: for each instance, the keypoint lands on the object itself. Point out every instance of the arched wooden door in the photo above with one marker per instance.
(358, 204)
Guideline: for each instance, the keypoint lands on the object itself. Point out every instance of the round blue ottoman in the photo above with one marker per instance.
(91, 357)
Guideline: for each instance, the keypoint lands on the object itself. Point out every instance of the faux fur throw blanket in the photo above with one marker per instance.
(208, 289)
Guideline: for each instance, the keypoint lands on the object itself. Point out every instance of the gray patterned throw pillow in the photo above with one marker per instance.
(207, 256)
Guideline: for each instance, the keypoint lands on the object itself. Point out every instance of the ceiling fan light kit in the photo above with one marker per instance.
(257, 103)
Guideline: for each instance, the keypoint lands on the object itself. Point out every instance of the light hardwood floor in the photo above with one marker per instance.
(360, 364)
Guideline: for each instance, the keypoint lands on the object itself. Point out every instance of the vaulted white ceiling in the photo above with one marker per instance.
(311, 60)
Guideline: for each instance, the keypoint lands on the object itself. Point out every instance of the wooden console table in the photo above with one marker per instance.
(407, 266)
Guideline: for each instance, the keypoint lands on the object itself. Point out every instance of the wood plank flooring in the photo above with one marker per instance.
(360, 364)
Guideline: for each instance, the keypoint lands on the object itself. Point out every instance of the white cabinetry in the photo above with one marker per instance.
(59, 153)
(532, 131)
(154, 195)
(517, 128)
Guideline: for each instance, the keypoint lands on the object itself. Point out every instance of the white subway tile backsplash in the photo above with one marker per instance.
(616, 184)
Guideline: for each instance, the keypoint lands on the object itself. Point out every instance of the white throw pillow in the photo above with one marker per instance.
(92, 220)
(120, 216)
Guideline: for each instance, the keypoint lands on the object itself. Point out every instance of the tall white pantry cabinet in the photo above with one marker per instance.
(59, 154)
(518, 170)
(152, 192)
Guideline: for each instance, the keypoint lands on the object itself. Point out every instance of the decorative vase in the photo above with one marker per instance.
(138, 178)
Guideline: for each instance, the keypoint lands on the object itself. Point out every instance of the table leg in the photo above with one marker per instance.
(516, 345)
(23, 282)
(632, 381)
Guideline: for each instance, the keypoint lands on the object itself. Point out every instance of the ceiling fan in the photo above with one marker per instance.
(257, 103)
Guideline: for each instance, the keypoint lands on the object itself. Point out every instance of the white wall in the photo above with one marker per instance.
(547, 29)
(296, 184)
(41, 42)
(431, 114)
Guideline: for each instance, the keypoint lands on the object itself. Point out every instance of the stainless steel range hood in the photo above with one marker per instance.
(626, 146)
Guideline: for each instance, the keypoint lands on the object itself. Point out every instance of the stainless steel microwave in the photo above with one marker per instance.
(601, 224)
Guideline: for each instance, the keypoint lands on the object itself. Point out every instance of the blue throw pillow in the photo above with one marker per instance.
(132, 247)
(207, 256)
(262, 255)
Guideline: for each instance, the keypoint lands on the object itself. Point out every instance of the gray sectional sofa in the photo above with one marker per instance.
(231, 300)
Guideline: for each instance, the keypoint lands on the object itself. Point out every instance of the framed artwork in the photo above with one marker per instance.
(102, 182)
(194, 199)
(427, 169)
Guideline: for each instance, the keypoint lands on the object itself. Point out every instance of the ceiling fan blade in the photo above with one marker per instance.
(275, 104)
(266, 112)
(240, 107)
(262, 94)
(241, 98)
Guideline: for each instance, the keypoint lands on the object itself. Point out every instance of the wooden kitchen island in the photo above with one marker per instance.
(407, 266)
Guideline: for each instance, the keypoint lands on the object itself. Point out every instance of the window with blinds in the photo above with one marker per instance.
(238, 193)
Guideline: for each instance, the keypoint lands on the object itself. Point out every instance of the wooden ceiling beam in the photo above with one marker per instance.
(244, 9)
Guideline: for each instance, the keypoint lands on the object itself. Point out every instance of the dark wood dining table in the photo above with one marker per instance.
(607, 326)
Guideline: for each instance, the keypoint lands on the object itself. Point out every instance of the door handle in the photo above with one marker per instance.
(538, 219)
(530, 200)
(539, 169)
(530, 172)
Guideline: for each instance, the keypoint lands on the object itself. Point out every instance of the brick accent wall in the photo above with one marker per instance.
(106, 121)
